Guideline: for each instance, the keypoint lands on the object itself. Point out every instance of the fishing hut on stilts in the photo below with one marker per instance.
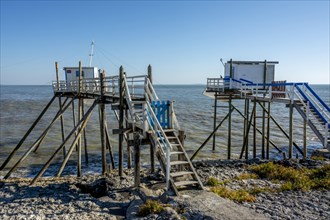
(142, 118)
(253, 83)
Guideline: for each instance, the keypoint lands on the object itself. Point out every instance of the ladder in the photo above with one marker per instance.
(154, 119)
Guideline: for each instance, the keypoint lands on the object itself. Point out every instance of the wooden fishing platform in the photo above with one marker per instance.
(143, 119)
(253, 82)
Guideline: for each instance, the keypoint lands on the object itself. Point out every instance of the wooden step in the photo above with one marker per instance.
(178, 162)
(181, 173)
(176, 152)
(169, 130)
(168, 138)
(185, 183)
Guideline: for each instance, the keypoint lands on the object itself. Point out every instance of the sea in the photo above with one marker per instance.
(21, 105)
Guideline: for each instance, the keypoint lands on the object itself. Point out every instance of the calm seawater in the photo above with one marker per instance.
(20, 106)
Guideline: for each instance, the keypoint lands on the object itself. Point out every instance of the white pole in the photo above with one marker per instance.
(91, 54)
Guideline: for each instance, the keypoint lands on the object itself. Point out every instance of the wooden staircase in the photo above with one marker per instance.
(182, 173)
(315, 122)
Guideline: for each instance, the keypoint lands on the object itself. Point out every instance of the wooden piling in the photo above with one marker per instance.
(60, 105)
(291, 131)
(209, 137)
(85, 137)
(150, 73)
(255, 128)
(121, 118)
(137, 180)
(109, 146)
(129, 150)
(80, 125)
(258, 130)
(281, 129)
(305, 137)
(37, 142)
(268, 131)
(41, 138)
(247, 130)
(229, 129)
(80, 100)
(27, 133)
(214, 119)
(102, 125)
(263, 132)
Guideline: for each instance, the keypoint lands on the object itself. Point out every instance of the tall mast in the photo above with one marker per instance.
(91, 54)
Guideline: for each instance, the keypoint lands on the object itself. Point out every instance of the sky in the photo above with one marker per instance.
(182, 40)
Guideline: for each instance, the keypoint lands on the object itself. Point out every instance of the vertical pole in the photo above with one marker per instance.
(60, 105)
(231, 68)
(291, 131)
(255, 128)
(129, 153)
(181, 137)
(229, 129)
(79, 118)
(150, 73)
(215, 119)
(102, 125)
(136, 159)
(85, 138)
(247, 130)
(263, 131)
(121, 118)
(305, 137)
(265, 73)
(268, 132)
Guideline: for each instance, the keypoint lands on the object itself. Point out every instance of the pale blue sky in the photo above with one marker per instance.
(183, 41)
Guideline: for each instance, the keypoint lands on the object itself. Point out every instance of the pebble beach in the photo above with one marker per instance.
(110, 197)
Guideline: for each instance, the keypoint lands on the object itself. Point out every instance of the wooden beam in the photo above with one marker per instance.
(121, 118)
(27, 134)
(81, 124)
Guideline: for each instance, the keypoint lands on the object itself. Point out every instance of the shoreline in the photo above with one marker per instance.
(110, 197)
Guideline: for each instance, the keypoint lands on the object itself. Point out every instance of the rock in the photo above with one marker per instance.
(321, 153)
(96, 189)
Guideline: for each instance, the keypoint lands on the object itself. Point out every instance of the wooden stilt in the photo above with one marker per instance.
(181, 157)
(85, 137)
(121, 118)
(43, 135)
(81, 124)
(291, 131)
(263, 132)
(152, 155)
(27, 134)
(129, 151)
(137, 180)
(248, 130)
(244, 147)
(229, 129)
(305, 138)
(102, 125)
(60, 105)
(109, 146)
(258, 130)
(268, 131)
(282, 130)
(80, 100)
(214, 119)
(255, 128)
(41, 138)
(210, 136)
